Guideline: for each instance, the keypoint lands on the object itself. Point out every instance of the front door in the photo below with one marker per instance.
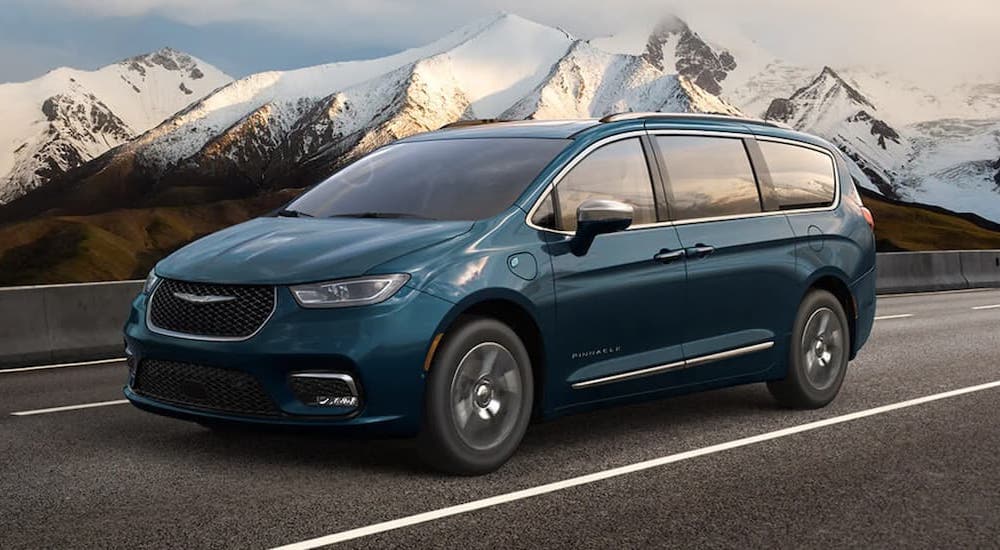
(618, 306)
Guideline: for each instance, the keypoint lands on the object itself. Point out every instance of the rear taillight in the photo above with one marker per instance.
(868, 217)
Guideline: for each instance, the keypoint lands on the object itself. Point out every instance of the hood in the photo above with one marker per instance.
(299, 250)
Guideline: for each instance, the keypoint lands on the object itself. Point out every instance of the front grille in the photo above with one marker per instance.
(203, 387)
(211, 310)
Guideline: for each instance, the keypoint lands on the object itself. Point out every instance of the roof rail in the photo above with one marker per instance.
(720, 117)
(473, 122)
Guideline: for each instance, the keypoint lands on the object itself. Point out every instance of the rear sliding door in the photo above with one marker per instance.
(741, 291)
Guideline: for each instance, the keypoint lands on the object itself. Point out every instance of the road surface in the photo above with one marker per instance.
(900, 458)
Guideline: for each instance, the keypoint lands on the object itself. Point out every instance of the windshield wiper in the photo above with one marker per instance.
(381, 215)
(286, 213)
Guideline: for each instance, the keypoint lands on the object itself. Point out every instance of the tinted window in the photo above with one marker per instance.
(802, 177)
(545, 215)
(452, 179)
(616, 171)
(707, 177)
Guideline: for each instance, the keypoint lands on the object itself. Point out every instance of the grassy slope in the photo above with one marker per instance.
(115, 245)
(901, 226)
(124, 244)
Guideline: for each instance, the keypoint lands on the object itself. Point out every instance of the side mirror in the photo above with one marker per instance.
(597, 216)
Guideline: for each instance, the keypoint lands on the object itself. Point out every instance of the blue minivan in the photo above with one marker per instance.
(456, 284)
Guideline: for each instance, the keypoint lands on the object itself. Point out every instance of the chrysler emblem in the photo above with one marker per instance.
(199, 299)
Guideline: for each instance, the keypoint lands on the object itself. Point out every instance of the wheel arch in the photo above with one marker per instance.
(837, 285)
(515, 311)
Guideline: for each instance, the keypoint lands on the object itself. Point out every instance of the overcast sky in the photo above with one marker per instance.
(933, 38)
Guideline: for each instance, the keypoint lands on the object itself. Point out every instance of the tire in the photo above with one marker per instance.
(818, 354)
(478, 400)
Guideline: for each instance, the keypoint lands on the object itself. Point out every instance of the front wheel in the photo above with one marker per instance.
(818, 355)
(479, 399)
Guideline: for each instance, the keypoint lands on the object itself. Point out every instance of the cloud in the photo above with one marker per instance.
(921, 37)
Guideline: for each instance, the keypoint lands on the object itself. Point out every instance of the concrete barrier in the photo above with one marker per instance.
(55, 323)
(981, 268)
(81, 322)
(920, 272)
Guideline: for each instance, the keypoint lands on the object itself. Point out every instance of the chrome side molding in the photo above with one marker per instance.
(628, 375)
(728, 354)
(701, 360)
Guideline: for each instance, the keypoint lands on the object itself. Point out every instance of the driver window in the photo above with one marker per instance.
(617, 171)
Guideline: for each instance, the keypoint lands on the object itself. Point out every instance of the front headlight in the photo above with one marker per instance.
(151, 281)
(361, 291)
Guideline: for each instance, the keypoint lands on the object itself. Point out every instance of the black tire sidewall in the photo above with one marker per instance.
(809, 395)
(441, 445)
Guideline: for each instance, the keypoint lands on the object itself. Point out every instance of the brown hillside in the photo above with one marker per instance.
(907, 226)
(125, 243)
(115, 245)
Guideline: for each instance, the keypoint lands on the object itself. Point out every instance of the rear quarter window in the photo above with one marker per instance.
(802, 177)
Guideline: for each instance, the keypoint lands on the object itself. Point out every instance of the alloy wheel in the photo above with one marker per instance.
(823, 348)
(486, 396)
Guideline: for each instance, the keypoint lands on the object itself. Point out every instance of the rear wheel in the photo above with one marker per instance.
(818, 354)
(479, 399)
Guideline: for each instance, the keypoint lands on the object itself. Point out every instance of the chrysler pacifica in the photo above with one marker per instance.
(457, 284)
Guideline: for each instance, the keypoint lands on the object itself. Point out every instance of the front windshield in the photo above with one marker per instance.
(449, 179)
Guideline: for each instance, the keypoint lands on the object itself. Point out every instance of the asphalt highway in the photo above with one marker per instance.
(907, 456)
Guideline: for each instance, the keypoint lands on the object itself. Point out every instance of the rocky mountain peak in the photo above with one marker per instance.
(830, 78)
(693, 58)
(166, 57)
(825, 91)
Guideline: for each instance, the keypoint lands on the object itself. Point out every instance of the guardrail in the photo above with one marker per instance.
(79, 322)
(900, 272)
(54, 323)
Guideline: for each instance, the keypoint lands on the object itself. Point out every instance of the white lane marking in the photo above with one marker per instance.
(62, 365)
(994, 306)
(620, 471)
(70, 408)
(887, 317)
(934, 293)
(135, 282)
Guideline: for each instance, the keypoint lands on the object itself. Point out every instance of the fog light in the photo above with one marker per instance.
(325, 389)
(336, 401)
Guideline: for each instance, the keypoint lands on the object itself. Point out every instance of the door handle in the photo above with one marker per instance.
(667, 256)
(699, 250)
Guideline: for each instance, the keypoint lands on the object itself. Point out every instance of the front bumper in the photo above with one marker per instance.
(382, 347)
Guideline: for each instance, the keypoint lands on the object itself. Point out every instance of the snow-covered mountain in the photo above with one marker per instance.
(933, 142)
(288, 129)
(736, 68)
(589, 82)
(893, 135)
(955, 163)
(344, 110)
(833, 108)
(68, 117)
